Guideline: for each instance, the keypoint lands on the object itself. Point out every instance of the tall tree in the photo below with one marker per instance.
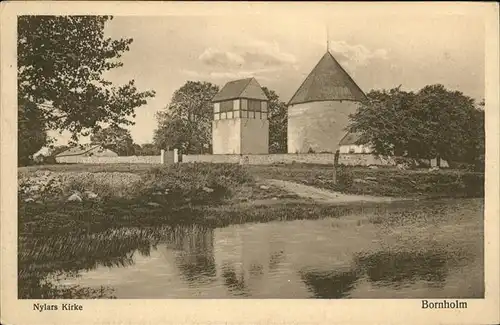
(448, 117)
(278, 121)
(149, 149)
(116, 139)
(61, 62)
(32, 134)
(383, 122)
(435, 122)
(186, 123)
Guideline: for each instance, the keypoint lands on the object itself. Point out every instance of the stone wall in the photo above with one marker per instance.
(111, 160)
(325, 159)
(169, 157)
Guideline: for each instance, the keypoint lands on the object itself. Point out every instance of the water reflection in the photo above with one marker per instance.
(397, 268)
(330, 284)
(194, 246)
(327, 258)
(234, 282)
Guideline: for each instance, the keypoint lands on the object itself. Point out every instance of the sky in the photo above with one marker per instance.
(379, 51)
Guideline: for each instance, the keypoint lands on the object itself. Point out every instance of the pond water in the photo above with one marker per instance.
(430, 249)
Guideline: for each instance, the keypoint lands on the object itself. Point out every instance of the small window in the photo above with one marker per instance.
(216, 116)
(223, 116)
(229, 114)
(226, 106)
(254, 105)
(236, 114)
(244, 114)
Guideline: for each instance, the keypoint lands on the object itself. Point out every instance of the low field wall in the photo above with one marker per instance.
(262, 159)
(166, 157)
(112, 160)
(308, 158)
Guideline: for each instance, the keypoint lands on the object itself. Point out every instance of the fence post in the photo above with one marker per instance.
(162, 156)
(335, 166)
(176, 156)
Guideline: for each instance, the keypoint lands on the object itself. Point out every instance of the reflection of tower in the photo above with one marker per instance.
(240, 124)
(246, 257)
(194, 247)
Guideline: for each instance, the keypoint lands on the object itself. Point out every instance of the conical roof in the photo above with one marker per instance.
(327, 81)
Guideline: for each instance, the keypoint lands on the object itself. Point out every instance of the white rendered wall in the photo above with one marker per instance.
(254, 136)
(318, 125)
(226, 136)
(353, 148)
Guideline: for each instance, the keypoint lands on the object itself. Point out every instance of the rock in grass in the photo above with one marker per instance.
(75, 198)
(29, 199)
(208, 189)
(90, 195)
(264, 187)
(153, 204)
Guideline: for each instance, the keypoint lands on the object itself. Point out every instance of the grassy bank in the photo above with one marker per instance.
(352, 180)
(380, 182)
(61, 238)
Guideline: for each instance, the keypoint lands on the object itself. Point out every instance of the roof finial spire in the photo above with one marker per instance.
(327, 39)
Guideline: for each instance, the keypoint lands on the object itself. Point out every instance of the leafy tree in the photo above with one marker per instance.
(278, 121)
(450, 121)
(136, 149)
(116, 139)
(434, 122)
(383, 122)
(32, 134)
(61, 62)
(149, 149)
(186, 123)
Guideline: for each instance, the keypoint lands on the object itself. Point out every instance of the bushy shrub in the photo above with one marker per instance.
(345, 177)
(195, 183)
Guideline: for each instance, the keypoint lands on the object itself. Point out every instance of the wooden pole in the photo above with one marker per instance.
(335, 166)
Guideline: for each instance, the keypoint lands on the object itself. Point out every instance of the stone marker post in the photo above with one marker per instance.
(162, 156)
(176, 156)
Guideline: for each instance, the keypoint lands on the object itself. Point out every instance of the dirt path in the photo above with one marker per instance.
(325, 196)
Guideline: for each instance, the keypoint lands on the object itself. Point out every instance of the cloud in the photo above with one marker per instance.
(227, 75)
(252, 58)
(356, 55)
(248, 55)
(224, 59)
(265, 54)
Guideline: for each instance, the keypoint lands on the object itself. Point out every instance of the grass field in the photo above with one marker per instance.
(52, 230)
(353, 180)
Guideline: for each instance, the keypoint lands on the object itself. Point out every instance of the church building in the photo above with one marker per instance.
(240, 124)
(318, 112)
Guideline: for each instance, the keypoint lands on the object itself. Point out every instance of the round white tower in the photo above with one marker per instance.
(318, 112)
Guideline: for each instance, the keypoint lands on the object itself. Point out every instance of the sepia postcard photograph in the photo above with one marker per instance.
(258, 162)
